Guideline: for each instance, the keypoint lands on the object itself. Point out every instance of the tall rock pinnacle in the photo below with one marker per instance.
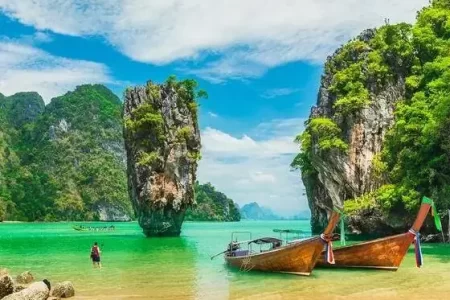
(162, 142)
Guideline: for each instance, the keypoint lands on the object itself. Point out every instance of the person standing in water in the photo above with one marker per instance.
(95, 256)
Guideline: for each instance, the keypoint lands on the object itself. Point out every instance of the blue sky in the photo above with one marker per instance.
(260, 63)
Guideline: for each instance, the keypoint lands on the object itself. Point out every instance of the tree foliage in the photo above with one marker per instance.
(415, 159)
(319, 131)
(63, 162)
(212, 205)
(416, 150)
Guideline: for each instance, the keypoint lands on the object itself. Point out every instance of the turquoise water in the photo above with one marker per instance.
(135, 267)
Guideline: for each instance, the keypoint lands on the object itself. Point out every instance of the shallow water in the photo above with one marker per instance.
(135, 267)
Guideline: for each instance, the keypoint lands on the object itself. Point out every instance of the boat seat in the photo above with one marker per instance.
(240, 253)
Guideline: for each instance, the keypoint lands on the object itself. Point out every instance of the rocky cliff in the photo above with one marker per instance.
(23, 108)
(376, 140)
(212, 205)
(252, 211)
(162, 142)
(63, 161)
(340, 175)
(16, 111)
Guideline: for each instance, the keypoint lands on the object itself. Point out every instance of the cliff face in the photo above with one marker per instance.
(15, 111)
(81, 134)
(377, 141)
(341, 175)
(63, 161)
(162, 142)
(252, 211)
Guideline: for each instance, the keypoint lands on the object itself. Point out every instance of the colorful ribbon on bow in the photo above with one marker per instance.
(329, 256)
(417, 248)
(434, 213)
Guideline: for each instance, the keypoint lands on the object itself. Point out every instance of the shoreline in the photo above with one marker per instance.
(12, 222)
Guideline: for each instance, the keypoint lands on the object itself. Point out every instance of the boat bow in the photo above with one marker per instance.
(298, 257)
(384, 253)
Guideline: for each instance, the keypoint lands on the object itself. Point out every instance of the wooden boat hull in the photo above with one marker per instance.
(385, 253)
(297, 258)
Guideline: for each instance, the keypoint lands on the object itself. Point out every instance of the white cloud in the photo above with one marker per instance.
(251, 169)
(26, 68)
(262, 177)
(274, 93)
(39, 37)
(245, 37)
(213, 115)
(280, 127)
(216, 141)
(42, 37)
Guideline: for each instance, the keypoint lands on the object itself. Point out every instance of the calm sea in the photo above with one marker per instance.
(135, 267)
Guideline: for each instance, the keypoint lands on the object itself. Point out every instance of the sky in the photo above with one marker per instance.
(260, 62)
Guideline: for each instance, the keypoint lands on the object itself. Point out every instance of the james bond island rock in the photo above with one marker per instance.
(162, 142)
(377, 140)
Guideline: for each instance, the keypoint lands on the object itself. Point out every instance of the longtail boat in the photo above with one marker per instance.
(384, 253)
(297, 257)
(93, 228)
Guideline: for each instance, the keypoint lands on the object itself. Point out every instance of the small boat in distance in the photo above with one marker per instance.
(384, 253)
(94, 228)
(297, 257)
(299, 233)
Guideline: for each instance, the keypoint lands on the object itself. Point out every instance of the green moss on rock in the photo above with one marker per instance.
(184, 134)
(145, 120)
(147, 159)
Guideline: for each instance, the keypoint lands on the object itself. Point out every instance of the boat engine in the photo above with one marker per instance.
(232, 247)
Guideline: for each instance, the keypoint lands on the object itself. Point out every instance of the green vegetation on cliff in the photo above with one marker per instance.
(326, 134)
(417, 149)
(360, 64)
(16, 115)
(212, 205)
(146, 124)
(415, 157)
(64, 161)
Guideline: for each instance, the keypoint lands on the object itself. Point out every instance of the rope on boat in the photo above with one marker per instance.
(329, 256)
(417, 248)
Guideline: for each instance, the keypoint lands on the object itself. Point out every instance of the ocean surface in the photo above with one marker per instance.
(135, 267)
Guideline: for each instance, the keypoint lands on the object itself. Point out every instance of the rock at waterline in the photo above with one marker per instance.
(6, 285)
(25, 278)
(36, 291)
(63, 290)
(162, 142)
